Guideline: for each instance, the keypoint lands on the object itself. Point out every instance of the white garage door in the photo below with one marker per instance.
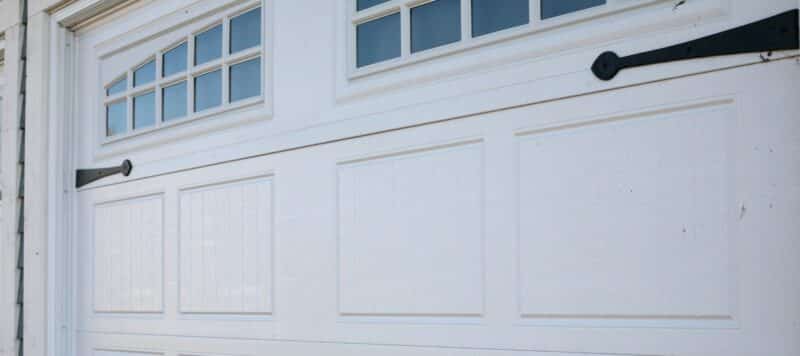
(656, 219)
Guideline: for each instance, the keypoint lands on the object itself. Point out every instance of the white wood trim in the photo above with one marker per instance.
(82, 10)
(38, 305)
(59, 309)
(2, 49)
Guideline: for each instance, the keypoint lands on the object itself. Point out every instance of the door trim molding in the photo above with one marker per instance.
(61, 205)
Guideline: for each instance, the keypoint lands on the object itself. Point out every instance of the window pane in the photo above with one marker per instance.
(553, 8)
(117, 87)
(208, 45)
(435, 24)
(378, 40)
(116, 118)
(245, 80)
(144, 110)
(246, 30)
(174, 60)
(365, 4)
(145, 74)
(173, 104)
(208, 90)
(494, 15)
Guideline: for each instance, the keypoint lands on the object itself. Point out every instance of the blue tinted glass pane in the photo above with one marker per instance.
(245, 80)
(208, 45)
(174, 103)
(364, 4)
(208, 90)
(378, 40)
(494, 15)
(145, 74)
(553, 8)
(175, 60)
(144, 110)
(117, 87)
(246, 30)
(435, 24)
(116, 118)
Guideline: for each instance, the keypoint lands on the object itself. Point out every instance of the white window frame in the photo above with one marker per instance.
(535, 25)
(192, 71)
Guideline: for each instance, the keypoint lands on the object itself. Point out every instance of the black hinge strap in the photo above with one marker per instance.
(777, 33)
(86, 176)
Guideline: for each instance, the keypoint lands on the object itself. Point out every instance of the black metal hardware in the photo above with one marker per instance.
(779, 32)
(86, 176)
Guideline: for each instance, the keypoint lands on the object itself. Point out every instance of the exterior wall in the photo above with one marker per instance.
(36, 175)
(6, 272)
(8, 171)
(9, 14)
(35, 277)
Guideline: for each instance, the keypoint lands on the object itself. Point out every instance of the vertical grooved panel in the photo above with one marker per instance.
(225, 248)
(128, 255)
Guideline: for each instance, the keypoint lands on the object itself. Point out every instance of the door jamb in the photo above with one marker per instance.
(62, 202)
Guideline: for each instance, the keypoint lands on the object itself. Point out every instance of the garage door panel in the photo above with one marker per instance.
(124, 353)
(225, 248)
(131, 345)
(410, 233)
(215, 277)
(607, 208)
(128, 268)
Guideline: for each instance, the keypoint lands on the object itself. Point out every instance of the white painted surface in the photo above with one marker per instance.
(665, 219)
(318, 105)
(8, 238)
(400, 217)
(633, 195)
(226, 247)
(6, 244)
(128, 240)
(655, 219)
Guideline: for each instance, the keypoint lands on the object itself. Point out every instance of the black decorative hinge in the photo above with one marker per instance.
(86, 176)
(776, 33)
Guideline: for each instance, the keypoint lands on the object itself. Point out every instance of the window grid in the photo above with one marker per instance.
(191, 72)
(403, 7)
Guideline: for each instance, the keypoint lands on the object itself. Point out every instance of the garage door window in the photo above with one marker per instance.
(488, 17)
(117, 120)
(393, 30)
(435, 24)
(174, 60)
(212, 70)
(365, 4)
(553, 8)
